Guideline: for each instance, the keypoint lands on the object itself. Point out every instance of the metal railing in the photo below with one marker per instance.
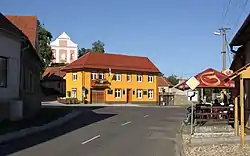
(215, 114)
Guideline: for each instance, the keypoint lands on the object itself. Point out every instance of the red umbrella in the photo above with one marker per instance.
(210, 78)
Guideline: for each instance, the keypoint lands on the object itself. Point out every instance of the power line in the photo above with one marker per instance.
(238, 19)
(225, 11)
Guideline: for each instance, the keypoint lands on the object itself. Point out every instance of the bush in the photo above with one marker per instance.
(68, 100)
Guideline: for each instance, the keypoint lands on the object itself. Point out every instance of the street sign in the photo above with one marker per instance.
(193, 83)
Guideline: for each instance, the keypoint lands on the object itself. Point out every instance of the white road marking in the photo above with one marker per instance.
(85, 142)
(126, 123)
(145, 116)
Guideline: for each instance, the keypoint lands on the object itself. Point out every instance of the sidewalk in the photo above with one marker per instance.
(55, 103)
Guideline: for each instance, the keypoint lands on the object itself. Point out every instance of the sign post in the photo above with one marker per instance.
(192, 83)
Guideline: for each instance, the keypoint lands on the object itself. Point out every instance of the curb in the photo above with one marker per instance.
(179, 142)
(28, 131)
(217, 140)
(112, 105)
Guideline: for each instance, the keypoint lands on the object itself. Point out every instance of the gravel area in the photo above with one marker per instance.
(213, 150)
(217, 150)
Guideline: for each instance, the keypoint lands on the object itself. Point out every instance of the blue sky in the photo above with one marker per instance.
(177, 35)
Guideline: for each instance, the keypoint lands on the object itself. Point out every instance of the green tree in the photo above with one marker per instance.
(173, 79)
(98, 46)
(83, 51)
(44, 39)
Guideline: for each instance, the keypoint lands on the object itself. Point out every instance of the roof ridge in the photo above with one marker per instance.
(123, 55)
(20, 15)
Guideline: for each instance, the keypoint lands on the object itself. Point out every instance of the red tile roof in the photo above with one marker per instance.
(162, 81)
(9, 27)
(96, 60)
(53, 72)
(27, 24)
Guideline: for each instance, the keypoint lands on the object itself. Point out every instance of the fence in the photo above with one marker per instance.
(214, 114)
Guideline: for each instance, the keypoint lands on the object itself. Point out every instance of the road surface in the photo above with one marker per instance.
(110, 131)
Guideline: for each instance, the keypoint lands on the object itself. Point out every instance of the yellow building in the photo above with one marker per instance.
(112, 78)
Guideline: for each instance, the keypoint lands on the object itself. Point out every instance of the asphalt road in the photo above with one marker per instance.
(110, 131)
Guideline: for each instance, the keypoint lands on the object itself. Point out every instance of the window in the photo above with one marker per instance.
(73, 92)
(63, 56)
(118, 77)
(3, 72)
(93, 76)
(110, 91)
(118, 93)
(150, 78)
(71, 56)
(139, 78)
(74, 76)
(101, 76)
(150, 94)
(139, 93)
(129, 77)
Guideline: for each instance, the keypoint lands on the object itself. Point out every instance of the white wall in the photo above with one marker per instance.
(11, 48)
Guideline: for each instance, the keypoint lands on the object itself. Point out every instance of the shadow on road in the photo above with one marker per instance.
(86, 118)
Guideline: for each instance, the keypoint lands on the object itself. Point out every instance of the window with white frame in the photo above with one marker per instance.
(150, 93)
(118, 93)
(74, 76)
(129, 77)
(3, 72)
(139, 94)
(94, 76)
(150, 78)
(118, 77)
(139, 78)
(101, 76)
(74, 92)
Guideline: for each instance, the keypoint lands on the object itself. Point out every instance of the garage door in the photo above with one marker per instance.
(97, 96)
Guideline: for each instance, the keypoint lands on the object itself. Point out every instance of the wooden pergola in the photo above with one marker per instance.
(241, 74)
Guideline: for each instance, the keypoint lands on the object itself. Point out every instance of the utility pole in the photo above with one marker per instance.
(223, 33)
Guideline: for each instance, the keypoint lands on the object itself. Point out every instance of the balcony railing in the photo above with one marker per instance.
(100, 83)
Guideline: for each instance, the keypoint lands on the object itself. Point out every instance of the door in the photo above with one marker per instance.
(129, 95)
(97, 96)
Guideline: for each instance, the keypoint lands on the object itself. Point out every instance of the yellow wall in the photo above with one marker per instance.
(84, 79)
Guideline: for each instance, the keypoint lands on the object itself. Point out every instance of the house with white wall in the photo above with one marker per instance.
(10, 57)
(20, 67)
(64, 49)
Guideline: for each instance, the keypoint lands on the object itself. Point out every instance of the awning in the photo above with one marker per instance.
(210, 78)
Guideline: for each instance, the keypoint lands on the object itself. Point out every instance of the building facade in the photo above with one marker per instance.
(64, 49)
(240, 45)
(20, 67)
(53, 78)
(112, 78)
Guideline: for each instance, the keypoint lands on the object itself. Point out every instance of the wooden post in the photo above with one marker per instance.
(236, 117)
(242, 98)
